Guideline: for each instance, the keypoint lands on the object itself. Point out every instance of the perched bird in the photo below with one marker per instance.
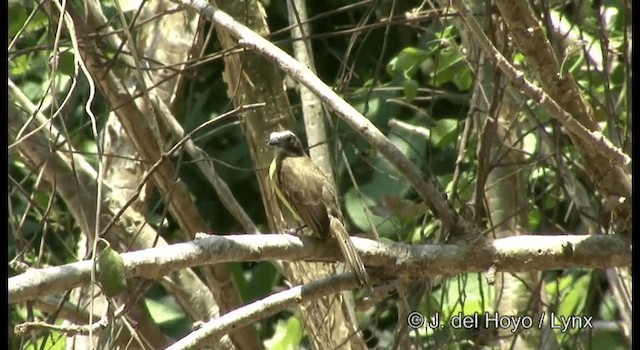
(306, 193)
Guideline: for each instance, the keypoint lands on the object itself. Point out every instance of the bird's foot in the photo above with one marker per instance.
(291, 231)
(294, 231)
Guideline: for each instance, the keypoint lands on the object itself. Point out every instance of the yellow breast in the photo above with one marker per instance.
(275, 185)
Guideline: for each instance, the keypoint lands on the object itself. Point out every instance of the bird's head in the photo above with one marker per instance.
(287, 143)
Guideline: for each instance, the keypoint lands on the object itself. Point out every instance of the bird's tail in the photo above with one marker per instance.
(349, 251)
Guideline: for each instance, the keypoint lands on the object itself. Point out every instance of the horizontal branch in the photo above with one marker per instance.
(512, 254)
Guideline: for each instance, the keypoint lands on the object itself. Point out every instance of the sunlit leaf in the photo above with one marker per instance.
(17, 15)
(50, 341)
(410, 87)
(462, 295)
(287, 336)
(407, 61)
(444, 132)
(163, 312)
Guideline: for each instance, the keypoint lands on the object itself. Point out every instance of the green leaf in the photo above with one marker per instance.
(66, 63)
(572, 288)
(52, 341)
(534, 218)
(444, 132)
(17, 17)
(463, 78)
(264, 277)
(376, 104)
(518, 59)
(449, 57)
(111, 272)
(385, 180)
(91, 150)
(164, 311)
(449, 65)
(19, 66)
(462, 295)
(420, 234)
(608, 308)
(287, 335)
(410, 89)
(407, 61)
(33, 90)
(355, 205)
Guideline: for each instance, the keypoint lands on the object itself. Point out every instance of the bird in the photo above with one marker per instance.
(306, 193)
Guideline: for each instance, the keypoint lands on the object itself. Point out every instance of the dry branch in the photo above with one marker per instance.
(512, 254)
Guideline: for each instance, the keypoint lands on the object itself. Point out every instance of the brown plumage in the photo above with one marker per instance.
(306, 193)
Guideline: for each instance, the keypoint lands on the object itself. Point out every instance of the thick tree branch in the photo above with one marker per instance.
(513, 254)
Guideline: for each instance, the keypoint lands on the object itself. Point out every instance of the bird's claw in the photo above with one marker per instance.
(294, 231)
(290, 231)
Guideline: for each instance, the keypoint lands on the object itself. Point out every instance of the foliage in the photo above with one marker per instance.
(417, 73)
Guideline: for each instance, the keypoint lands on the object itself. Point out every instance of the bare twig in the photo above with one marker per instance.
(410, 128)
(73, 328)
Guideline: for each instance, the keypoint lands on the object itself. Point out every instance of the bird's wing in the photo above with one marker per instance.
(331, 201)
(302, 183)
